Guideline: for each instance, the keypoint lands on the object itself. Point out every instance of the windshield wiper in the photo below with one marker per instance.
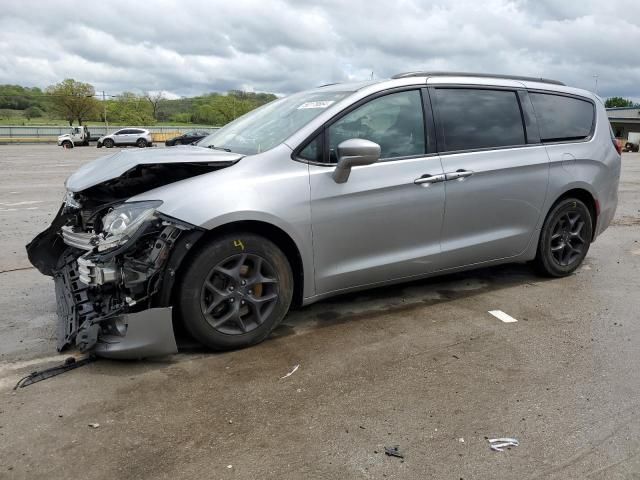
(213, 147)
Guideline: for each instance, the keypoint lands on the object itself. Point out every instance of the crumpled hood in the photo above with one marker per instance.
(113, 166)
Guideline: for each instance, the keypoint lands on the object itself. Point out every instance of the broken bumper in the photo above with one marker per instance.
(147, 333)
(115, 303)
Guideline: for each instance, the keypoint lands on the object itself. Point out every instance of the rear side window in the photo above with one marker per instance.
(478, 118)
(562, 118)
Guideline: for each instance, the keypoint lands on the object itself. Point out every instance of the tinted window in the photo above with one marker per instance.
(121, 132)
(472, 119)
(133, 130)
(562, 118)
(394, 122)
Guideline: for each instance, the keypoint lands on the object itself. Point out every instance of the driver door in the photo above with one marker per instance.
(120, 137)
(384, 223)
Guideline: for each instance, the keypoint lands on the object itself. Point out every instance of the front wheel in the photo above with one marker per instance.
(108, 143)
(235, 291)
(67, 144)
(565, 238)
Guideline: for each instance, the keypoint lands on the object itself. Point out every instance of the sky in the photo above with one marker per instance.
(188, 47)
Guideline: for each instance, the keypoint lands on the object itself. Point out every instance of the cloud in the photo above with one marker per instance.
(190, 47)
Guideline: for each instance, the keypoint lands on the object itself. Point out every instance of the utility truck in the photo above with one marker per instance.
(78, 136)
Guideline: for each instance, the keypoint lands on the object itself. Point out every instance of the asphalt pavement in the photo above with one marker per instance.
(423, 366)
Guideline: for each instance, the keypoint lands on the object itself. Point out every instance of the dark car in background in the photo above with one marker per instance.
(187, 138)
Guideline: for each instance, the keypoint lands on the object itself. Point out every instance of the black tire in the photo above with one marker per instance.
(565, 238)
(141, 143)
(206, 297)
(108, 143)
(67, 144)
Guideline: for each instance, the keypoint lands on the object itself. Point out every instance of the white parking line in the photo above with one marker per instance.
(500, 315)
(17, 209)
(16, 204)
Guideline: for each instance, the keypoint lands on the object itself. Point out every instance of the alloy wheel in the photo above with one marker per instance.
(567, 240)
(239, 294)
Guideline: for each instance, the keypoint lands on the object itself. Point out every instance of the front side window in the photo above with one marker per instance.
(395, 122)
(562, 118)
(476, 118)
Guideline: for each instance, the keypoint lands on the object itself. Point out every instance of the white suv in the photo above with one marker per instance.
(127, 136)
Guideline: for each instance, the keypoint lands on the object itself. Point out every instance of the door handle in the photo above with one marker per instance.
(429, 179)
(458, 174)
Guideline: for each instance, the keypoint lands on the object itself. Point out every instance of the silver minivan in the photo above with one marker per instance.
(343, 187)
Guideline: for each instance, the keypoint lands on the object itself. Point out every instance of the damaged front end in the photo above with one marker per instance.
(114, 264)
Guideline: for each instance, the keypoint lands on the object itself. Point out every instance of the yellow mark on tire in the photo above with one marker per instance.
(239, 244)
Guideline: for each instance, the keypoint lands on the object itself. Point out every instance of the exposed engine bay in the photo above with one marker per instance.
(114, 263)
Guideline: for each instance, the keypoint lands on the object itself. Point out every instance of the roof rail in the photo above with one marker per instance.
(468, 74)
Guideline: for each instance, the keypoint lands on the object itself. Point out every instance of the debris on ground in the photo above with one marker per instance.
(393, 451)
(70, 363)
(291, 372)
(94, 425)
(461, 440)
(499, 444)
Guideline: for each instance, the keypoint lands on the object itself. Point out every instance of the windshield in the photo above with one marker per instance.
(269, 125)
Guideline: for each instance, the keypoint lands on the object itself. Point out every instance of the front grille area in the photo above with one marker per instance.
(74, 305)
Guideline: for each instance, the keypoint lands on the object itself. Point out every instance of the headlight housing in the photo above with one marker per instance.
(119, 225)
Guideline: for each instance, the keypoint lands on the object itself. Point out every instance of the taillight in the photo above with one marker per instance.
(618, 145)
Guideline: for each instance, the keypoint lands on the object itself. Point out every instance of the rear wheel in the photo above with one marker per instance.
(565, 238)
(108, 143)
(141, 143)
(235, 291)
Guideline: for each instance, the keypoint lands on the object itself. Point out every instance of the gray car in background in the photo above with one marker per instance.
(342, 187)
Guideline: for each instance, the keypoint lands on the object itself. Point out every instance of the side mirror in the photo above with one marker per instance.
(352, 153)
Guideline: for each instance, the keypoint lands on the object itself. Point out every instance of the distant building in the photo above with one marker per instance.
(624, 120)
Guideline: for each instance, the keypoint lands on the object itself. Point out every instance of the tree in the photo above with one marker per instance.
(154, 100)
(16, 97)
(130, 109)
(617, 102)
(73, 100)
(32, 112)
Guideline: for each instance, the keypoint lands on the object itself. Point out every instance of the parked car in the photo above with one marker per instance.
(323, 192)
(631, 147)
(76, 137)
(127, 136)
(187, 138)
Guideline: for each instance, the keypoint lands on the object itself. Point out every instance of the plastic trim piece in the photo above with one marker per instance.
(149, 334)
